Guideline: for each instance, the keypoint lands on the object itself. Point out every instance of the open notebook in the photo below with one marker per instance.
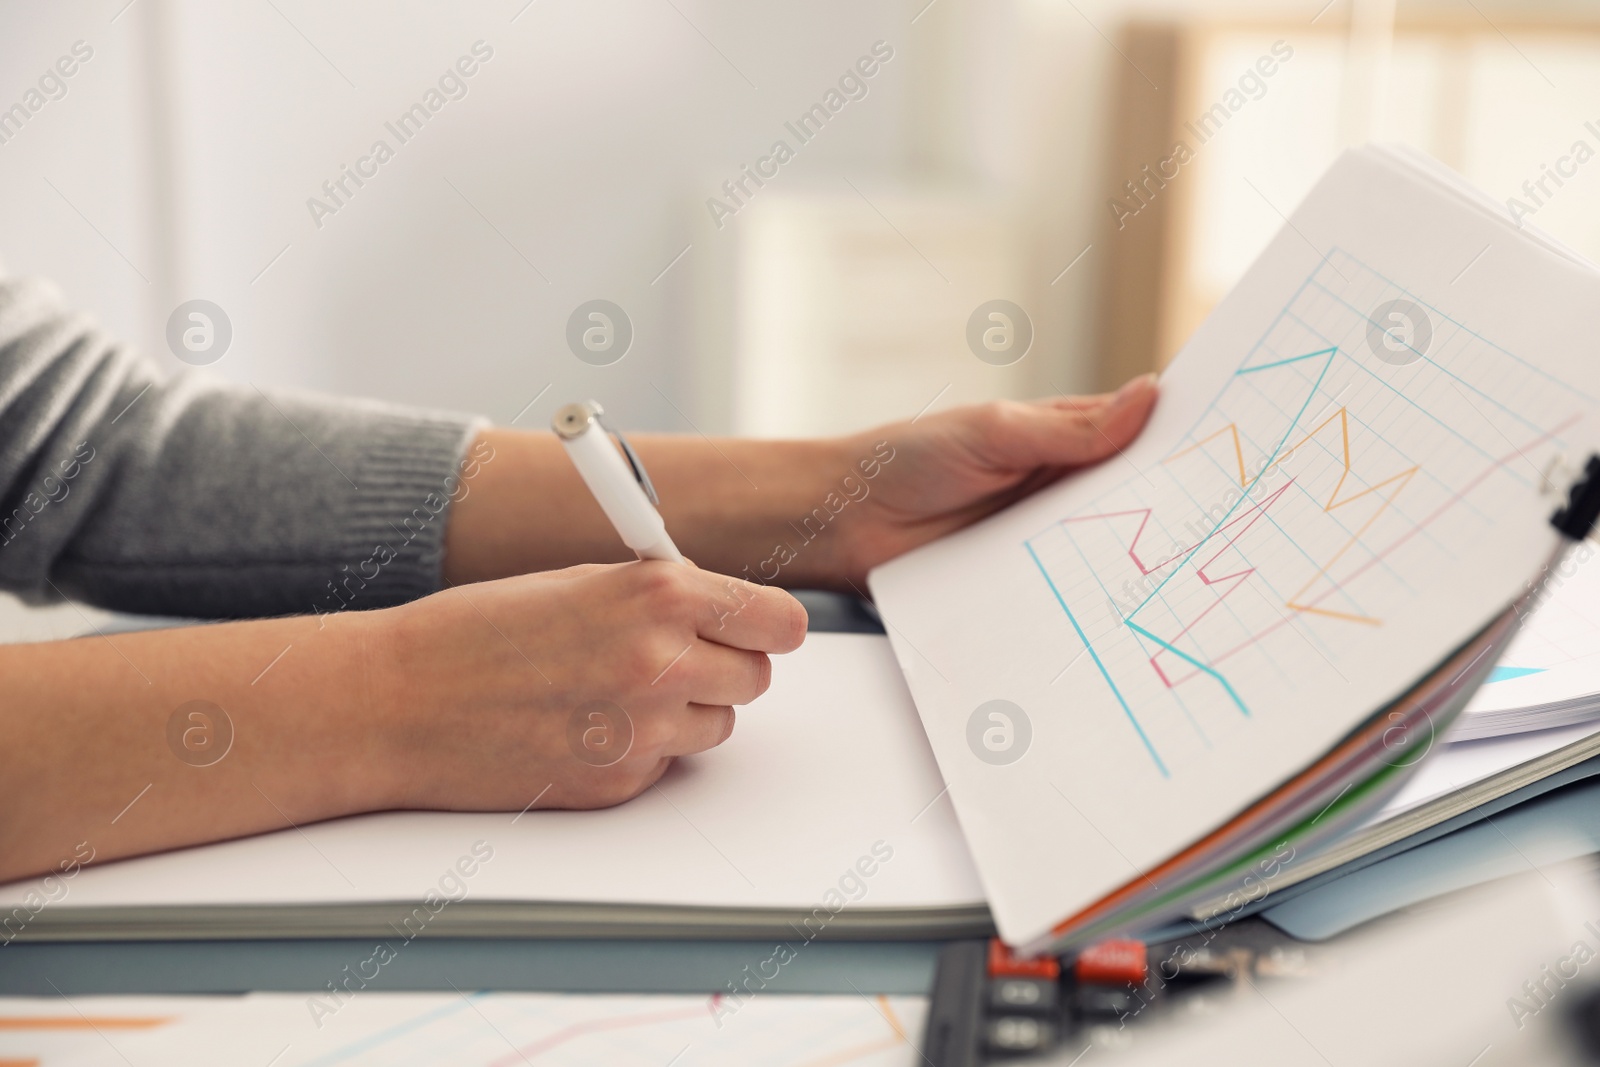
(1133, 681)
(826, 776)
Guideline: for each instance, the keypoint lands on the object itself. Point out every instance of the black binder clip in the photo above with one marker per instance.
(1577, 519)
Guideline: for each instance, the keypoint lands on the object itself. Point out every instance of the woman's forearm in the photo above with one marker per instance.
(728, 503)
(466, 700)
(138, 742)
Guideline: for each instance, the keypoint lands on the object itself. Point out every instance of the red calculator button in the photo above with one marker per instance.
(1002, 964)
(1113, 963)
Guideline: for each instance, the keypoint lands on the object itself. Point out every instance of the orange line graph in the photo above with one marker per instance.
(866, 1048)
(1238, 452)
(37, 1024)
(79, 1022)
(1399, 481)
(1403, 479)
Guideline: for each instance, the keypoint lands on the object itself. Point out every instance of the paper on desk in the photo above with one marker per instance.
(830, 761)
(370, 1028)
(1550, 676)
(1455, 766)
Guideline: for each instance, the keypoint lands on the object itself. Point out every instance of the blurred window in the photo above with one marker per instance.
(1509, 105)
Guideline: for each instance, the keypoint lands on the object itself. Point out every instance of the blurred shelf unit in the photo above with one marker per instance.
(1218, 129)
(827, 312)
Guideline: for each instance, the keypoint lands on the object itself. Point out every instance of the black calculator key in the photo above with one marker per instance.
(1018, 1033)
(1104, 1000)
(1030, 995)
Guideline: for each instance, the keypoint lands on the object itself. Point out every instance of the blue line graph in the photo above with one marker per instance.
(1316, 495)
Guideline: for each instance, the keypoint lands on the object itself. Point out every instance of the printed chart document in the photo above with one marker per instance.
(1349, 474)
(380, 1029)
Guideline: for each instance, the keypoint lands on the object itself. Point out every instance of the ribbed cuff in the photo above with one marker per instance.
(412, 468)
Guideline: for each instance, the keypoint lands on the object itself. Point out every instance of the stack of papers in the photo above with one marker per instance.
(1551, 674)
(1456, 785)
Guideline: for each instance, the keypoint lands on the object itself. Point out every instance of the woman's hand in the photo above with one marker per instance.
(771, 511)
(953, 468)
(572, 689)
(575, 688)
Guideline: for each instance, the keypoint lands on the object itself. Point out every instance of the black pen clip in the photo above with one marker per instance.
(634, 461)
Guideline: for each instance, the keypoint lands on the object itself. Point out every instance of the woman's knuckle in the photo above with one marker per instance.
(1003, 417)
(641, 659)
(663, 581)
(653, 735)
(989, 426)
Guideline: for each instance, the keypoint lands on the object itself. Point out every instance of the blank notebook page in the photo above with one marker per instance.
(831, 760)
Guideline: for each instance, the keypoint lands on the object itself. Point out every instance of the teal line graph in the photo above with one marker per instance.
(1316, 495)
(1505, 674)
(1292, 359)
(1095, 656)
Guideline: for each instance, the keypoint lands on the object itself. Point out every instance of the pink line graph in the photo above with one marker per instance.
(1248, 517)
(1253, 514)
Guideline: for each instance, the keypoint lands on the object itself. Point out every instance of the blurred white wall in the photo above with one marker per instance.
(583, 152)
(179, 163)
(90, 151)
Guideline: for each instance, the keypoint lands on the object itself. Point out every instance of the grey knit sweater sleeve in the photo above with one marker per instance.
(175, 494)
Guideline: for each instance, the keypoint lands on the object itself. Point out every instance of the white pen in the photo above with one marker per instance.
(624, 494)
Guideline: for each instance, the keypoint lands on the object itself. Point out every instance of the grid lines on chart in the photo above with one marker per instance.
(1318, 493)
